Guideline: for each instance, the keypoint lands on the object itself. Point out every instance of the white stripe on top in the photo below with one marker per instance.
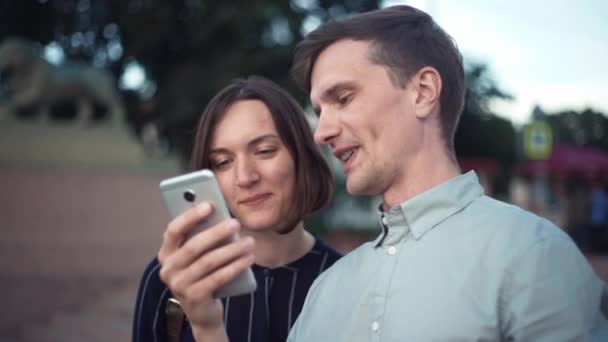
(143, 295)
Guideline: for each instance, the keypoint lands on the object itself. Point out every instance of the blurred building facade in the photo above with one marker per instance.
(81, 215)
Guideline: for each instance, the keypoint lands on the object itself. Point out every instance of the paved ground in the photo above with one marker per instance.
(72, 250)
(73, 247)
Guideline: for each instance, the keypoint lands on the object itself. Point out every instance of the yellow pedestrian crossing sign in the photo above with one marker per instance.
(538, 140)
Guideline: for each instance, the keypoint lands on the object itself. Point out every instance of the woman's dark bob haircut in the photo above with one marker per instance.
(314, 183)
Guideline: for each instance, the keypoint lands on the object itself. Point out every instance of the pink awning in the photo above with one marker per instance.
(567, 160)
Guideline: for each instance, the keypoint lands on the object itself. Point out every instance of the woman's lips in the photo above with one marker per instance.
(255, 199)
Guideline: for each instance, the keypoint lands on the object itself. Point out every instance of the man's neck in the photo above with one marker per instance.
(423, 174)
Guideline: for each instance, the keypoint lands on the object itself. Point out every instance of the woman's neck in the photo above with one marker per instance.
(273, 250)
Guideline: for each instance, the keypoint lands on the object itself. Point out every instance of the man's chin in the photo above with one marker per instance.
(358, 188)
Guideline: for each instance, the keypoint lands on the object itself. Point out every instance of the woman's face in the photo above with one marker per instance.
(253, 167)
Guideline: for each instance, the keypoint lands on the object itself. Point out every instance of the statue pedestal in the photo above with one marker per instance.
(60, 145)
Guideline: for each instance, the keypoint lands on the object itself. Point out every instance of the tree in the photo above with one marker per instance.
(195, 48)
(189, 49)
(481, 133)
(586, 127)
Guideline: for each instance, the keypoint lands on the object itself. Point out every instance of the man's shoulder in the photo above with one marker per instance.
(511, 226)
(510, 216)
(502, 209)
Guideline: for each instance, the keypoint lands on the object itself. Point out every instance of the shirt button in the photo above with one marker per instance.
(375, 326)
(391, 250)
(384, 220)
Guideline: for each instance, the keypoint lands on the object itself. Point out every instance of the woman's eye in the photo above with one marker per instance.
(220, 164)
(267, 151)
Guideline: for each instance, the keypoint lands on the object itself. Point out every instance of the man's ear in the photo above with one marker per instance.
(428, 88)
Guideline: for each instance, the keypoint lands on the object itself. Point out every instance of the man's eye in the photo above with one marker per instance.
(344, 99)
(317, 111)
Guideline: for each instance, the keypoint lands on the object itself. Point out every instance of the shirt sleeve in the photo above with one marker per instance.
(551, 293)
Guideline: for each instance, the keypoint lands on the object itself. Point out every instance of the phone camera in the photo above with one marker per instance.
(189, 195)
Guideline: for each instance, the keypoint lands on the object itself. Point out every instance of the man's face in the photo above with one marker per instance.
(367, 121)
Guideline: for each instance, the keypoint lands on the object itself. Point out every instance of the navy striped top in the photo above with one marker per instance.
(265, 315)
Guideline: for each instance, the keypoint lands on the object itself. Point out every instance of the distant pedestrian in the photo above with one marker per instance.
(598, 217)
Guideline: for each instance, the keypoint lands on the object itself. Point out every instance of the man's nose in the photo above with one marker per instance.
(327, 129)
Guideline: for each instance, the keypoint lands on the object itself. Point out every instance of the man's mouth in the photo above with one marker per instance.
(344, 157)
(345, 154)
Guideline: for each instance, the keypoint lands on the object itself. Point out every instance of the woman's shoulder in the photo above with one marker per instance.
(150, 285)
(322, 247)
(149, 305)
(152, 270)
(317, 260)
(328, 253)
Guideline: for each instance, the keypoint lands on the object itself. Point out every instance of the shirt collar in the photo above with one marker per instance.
(426, 210)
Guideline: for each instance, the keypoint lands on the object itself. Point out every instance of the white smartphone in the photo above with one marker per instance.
(185, 191)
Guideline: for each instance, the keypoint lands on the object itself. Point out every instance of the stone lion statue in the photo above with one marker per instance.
(30, 83)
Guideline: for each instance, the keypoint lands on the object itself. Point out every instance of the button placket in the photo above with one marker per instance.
(384, 220)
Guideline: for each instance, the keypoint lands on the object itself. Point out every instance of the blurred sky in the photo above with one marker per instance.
(548, 52)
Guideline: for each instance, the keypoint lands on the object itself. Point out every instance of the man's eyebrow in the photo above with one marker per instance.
(330, 93)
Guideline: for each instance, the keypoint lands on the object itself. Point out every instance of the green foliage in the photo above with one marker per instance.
(481, 90)
(482, 134)
(587, 127)
(192, 49)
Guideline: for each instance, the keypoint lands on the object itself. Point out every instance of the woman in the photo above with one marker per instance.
(256, 139)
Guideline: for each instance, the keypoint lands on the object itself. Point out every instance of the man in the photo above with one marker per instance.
(451, 264)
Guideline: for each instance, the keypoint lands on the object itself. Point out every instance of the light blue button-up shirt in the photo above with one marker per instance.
(456, 265)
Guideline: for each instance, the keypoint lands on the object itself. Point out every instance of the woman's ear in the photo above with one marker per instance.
(428, 87)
